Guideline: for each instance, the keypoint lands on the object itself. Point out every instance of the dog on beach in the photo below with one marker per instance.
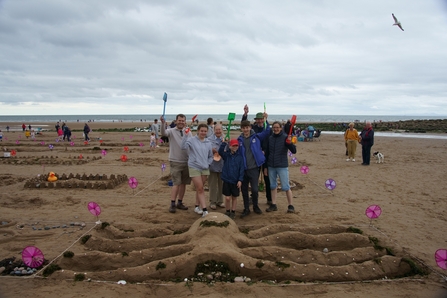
(380, 157)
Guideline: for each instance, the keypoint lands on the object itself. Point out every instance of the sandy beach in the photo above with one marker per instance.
(309, 253)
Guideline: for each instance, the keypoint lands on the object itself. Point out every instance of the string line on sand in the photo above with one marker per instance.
(41, 270)
(148, 185)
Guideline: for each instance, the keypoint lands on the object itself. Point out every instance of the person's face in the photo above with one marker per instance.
(180, 122)
(218, 131)
(259, 122)
(276, 128)
(246, 130)
(234, 148)
(202, 132)
(368, 125)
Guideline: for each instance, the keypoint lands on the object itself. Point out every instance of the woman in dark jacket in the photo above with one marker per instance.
(278, 164)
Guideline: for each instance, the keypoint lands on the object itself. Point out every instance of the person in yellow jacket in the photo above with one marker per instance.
(351, 139)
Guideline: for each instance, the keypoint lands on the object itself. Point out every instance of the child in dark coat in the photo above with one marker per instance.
(232, 175)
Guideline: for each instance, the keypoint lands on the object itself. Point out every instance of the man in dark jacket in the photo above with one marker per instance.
(258, 127)
(279, 143)
(367, 140)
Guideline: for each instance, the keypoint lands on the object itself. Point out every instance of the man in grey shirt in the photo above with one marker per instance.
(155, 127)
(178, 161)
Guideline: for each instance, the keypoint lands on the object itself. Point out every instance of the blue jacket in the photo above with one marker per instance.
(233, 168)
(255, 146)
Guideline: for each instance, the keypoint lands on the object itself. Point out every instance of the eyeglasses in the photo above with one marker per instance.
(276, 127)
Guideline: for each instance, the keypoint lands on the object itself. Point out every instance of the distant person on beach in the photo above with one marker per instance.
(7, 128)
(366, 138)
(214, 179)
(155, 127)
(258, 127)
(251, 151)
(86, 132)
(57, 126)
(279, 144)
(60, 133)
(232, 175)
(351, 139)
(209, 122)
(200, 156)
(23, 127)
(153, 141)
(1, 136)
(178, 161)
(27, 133)
(33, 134)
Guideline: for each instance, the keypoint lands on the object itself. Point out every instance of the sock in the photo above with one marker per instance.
(204, 210)
(197, 206)
(233, 211)
(172, 203)
(179, 202)
(228, 210)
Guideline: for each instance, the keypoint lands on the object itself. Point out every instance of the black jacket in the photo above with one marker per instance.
(277, 149)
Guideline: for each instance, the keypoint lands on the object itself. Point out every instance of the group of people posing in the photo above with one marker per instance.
(365, 138)
(230, 165)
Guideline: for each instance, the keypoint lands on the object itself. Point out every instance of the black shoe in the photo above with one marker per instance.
(245, 213)
(269, 202)
(272, 208)
(172, 209)
(257, 210)
(365, 164)
(290, 209)
(182, 207)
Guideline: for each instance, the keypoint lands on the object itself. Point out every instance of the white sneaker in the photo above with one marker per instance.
(205, 213)
(353, 159)
(198, 210)
(348, 159)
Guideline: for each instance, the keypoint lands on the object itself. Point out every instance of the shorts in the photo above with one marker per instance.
(179, 173)
(283, 174)
(196, 173)
(230, 189)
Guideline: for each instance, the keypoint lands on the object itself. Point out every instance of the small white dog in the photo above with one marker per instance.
(380, 157)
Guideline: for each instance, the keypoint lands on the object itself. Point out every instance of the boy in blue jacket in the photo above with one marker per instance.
(251, 151)
(232, 175)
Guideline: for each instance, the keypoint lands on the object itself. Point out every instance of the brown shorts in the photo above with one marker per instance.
(179, 173)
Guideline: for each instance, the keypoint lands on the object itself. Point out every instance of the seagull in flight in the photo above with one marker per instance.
(397, 23)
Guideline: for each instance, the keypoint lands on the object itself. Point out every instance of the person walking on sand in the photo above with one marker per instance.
(258, 127)
(86, 132)
(155, 127)
(351, 139)
(214, 180)
(366, 138)
(251, 151)
(232, 175)
(178, 161)
(279, 143)
(200, 156)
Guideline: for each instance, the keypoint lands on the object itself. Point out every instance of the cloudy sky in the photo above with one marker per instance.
(324, 57)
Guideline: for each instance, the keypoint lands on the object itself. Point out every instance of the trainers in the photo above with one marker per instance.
(172, 209)
(245, 213)
(347, 159)
(228, 213)
(198, 210)
(204, 213)
(272, 208)
(257, 210)
(290, 209)
(212, 206)
(353, 159)
(221, 205)
(182, 207)
(232, 215)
